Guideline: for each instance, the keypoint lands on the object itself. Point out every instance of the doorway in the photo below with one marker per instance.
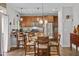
(4, 33)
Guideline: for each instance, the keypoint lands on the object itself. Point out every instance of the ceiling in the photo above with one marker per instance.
(39, 8)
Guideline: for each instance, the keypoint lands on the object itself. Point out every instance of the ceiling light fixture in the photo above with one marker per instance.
(43, 20)
(21, 19)
(46, 21)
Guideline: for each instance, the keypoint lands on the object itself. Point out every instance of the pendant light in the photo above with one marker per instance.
(41, 20)
(21, 19)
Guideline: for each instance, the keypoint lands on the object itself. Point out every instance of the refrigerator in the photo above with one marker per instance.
(48, 29)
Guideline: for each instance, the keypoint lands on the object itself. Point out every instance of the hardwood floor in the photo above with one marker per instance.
(69, 52)
(63, 52)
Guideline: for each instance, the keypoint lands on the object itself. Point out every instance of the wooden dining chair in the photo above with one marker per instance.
(29, 45)
(55, 43)
(20, 39)
(42, 47)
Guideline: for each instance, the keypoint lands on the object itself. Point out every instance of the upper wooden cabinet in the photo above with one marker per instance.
(50, 18)
(27, 20)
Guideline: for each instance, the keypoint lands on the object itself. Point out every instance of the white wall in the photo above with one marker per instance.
(12, 14)
(60, 23)
(76, 15)
(65, 25)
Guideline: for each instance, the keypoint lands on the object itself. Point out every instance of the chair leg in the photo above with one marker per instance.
(70, 45)
(49, 51)
(76, 48)
(25, 51)
(58, 50)
(18, 44)
(38, 54)
(34, 51)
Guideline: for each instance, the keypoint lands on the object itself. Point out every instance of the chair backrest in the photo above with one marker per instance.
(43, 40)
(20, 36)
(57, 36)
(43, 46)
(30, 34)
